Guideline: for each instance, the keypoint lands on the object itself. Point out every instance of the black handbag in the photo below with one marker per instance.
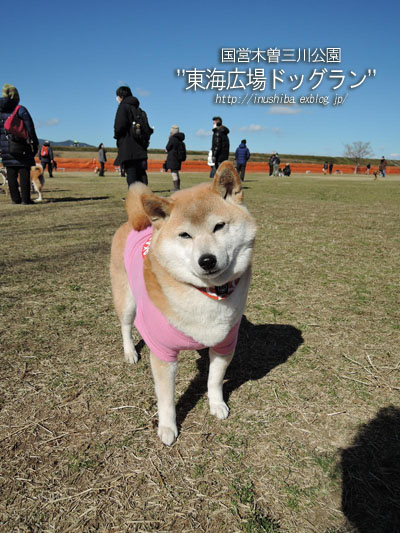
(18, 147)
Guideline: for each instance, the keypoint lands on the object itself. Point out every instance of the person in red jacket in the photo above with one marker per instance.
(47, 158)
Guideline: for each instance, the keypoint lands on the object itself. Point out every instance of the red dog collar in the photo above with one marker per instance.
(221, 292)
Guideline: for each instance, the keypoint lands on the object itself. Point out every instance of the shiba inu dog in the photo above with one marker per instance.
(180, 270)
(37, 180)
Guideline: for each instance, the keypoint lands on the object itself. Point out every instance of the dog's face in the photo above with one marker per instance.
(204, 235)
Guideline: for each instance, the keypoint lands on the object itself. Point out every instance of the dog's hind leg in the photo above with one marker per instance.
(127, 317)
(125, 306)
(218, 365)
(36, 189)
(164, 378)
(124, 302)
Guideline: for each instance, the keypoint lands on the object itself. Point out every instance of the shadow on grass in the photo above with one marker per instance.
(371, 475)
(260, 348)
(73, 199)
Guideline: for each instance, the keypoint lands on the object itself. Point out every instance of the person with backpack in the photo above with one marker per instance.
(18, 144)
(242, 155)
(132, 132)
(47, 158)
(220, 142)
(176, 155)
(102, 158)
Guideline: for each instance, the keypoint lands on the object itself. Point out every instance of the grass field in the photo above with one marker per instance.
(312, 443)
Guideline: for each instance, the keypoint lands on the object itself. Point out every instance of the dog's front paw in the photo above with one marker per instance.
(220, 410)
(167, 434)
(131, 356)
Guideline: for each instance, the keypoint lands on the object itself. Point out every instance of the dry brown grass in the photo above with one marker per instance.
(317, 358)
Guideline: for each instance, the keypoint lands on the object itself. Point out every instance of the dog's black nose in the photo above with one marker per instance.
(207, 261)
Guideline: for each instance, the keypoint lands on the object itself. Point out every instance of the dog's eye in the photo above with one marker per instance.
(185, 235)
(219, 226)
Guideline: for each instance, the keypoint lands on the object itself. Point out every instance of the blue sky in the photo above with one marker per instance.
(68, 58)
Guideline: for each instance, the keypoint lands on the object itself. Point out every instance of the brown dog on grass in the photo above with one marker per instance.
(180, 270)
(37, 180)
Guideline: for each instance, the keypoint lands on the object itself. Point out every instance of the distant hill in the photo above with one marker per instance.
(66, 143)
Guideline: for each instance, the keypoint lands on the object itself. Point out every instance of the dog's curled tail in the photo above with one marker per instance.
(37, 172)
(136, 214)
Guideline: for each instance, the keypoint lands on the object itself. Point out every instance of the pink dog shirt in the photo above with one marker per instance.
(162, 338)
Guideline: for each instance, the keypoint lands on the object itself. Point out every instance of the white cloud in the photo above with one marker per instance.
(253, 127)
(394, 155)
(203, 133)
(50, 122)
(142, 92)
(288, 109)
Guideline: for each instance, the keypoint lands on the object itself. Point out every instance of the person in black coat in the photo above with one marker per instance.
(17, 164)
(174, 148)
(220, 142)
(287, 170)
(47, 158)
(132, 152)
(271, 164)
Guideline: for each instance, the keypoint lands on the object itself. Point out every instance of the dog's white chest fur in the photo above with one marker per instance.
(206, 320)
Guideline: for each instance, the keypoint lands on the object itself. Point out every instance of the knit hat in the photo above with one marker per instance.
(174, 129)
(9, 91)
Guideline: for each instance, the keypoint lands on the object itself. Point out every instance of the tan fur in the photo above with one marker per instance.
(196, 203)
(36, 177)
(228, 182)
(152, 272)
(137, 216)
(119, 279)
(156, 208)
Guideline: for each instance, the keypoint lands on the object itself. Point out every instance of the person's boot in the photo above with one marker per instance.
(176, 186)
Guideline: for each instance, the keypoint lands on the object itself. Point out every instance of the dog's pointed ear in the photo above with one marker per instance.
(227, 183)
(157, 209)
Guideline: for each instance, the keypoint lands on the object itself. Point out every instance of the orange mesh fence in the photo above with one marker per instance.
(90, 164)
